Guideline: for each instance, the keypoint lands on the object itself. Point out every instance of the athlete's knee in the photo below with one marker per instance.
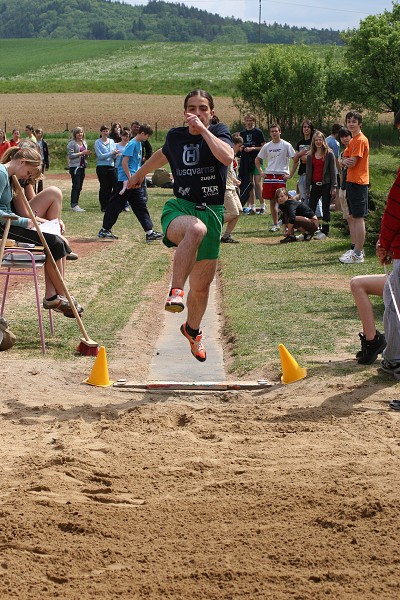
(197, 231)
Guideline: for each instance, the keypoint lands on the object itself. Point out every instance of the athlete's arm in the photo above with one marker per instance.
(156, 161)
(220, 149)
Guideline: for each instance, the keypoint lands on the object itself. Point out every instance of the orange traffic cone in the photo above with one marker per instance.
(99, 375)
(291, 371)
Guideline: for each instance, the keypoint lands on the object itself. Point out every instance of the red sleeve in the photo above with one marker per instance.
(390, 226)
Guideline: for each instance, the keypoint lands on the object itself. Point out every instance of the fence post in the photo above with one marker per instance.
(156, 131)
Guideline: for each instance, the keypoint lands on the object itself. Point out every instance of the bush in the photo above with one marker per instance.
(377, 202)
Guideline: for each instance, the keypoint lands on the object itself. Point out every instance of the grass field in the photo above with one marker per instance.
(121, 66)
(263, 283)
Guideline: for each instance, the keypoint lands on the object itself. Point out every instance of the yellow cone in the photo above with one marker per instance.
(99, 375)
(291, 371)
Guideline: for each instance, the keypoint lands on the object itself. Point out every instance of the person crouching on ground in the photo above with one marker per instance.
(295, 215)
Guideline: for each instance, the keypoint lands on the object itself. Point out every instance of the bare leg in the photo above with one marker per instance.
(48, 203)
(359, 234)
(200, 280)
(362, 287)
(231, 224)
(252, 196)
(51, 282)
(274, 212)
(187, 233)
(258, 187)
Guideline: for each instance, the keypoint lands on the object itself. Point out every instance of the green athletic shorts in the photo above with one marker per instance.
(212, 217)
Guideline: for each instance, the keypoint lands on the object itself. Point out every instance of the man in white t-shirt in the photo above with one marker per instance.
(278, 153)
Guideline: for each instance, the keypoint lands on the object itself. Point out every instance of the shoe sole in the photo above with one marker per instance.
(199, 358)
(174, 308)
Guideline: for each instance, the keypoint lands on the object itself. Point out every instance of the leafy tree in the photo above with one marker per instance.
(372, 62)
(287, 85)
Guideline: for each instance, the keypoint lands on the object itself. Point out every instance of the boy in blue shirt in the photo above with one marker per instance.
(130, 163)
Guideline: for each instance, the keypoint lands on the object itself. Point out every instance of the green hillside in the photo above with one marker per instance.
(157, 21)
(120, 66)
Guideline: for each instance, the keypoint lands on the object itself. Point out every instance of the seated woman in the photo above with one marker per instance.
(25, 163)
(49, 205)
(297, 215)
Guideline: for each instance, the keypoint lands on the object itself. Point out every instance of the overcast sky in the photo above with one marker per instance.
(335, 14)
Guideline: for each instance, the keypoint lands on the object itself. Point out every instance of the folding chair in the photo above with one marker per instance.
(23, 262)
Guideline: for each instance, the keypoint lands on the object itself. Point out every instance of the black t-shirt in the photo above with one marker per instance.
(198, 176)
(292, 209)
(301, 145)
(252, 137)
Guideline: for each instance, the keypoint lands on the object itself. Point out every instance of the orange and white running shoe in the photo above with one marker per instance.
(196, 345)
(174, 302)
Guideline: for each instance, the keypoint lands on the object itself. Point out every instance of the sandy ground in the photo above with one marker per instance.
(285, 492)
(57, 112)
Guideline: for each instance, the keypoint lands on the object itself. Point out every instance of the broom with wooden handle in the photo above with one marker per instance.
(87, 347)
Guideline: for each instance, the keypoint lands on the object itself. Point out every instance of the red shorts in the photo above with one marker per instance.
(271, 184)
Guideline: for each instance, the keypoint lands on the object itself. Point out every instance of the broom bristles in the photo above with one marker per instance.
(88, 347)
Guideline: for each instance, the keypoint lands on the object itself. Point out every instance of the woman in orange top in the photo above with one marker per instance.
(16, 140)
(4, 143)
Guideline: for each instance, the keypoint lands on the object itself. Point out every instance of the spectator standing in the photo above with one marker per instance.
(130, 163)
(321, 179)
(44, 153)
(29, 133)
(278, 153)
(115, 132)
(106, 153)
(4, 143)
(232, 204)
(120, 147)
(249, 174)
(77, 151)
(16, 139)
(344, 137)
(333, 142)
(302, 147)
(356, 160)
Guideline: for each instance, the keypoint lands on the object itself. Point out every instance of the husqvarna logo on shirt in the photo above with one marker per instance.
(191, 154)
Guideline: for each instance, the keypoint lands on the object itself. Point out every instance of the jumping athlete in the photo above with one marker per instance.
(192, 221)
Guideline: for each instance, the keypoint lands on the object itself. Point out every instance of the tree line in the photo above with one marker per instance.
(287, 85)
(158, 21)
